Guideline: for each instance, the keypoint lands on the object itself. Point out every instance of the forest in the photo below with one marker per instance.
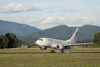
(8, 41)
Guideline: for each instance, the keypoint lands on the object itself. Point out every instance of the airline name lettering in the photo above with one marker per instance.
(50, 40)
(56, 41)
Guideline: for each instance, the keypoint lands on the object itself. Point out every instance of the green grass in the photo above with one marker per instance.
(43, 58)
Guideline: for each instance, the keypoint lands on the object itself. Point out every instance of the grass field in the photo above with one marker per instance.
(84, 57)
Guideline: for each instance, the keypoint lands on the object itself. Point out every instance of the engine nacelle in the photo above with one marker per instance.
(43, 48)
(60, 47)
(54, 46)
(57, 47)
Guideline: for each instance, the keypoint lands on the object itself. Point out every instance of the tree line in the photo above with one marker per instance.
(8, 41)
(96, 39)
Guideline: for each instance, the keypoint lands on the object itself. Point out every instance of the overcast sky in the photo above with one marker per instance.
(49, 13)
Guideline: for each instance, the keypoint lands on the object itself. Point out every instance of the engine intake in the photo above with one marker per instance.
(60, 47)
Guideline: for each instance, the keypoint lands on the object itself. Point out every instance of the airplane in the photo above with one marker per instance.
(45, 43)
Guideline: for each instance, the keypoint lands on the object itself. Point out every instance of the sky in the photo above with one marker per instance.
(45, 14)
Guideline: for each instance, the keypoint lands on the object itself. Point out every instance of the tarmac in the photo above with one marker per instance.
(44, 52)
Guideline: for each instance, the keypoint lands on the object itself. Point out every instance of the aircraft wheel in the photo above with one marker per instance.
(52, 51)
(62, 51)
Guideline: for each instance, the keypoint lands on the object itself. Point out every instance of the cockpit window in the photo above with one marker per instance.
(41, 39)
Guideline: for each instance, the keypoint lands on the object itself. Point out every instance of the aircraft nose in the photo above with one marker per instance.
(37, 42)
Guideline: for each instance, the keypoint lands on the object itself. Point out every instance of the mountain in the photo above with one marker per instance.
(62, 32)
(16, 28)
(59, 31)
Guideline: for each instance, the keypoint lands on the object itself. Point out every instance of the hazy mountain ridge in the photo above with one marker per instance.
(63, 31)
(28, 33)
(16, 28)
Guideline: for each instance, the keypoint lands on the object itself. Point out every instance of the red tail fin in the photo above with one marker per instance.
(73, 39)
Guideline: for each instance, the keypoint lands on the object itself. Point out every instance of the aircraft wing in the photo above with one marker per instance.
(78, 44)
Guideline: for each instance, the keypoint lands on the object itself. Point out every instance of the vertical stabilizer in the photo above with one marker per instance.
(73, 39)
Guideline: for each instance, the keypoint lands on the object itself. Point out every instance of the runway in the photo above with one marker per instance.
(44, 52)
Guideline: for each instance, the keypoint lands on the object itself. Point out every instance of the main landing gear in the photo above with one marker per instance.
(52, 51)
(62, 51)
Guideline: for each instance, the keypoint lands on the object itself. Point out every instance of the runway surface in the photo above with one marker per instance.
(43, 52)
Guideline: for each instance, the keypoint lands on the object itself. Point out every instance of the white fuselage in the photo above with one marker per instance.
(48, 42)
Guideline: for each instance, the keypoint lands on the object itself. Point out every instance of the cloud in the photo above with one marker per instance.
(50, 10)
(49, 20)
(79, 21)
(69, 10)
(54, 21)
(34, 21)
(15, 8)
(57, 3)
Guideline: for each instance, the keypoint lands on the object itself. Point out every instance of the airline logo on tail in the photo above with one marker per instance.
(73, 39)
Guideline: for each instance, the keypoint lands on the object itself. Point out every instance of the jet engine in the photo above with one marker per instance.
(57, 46)
(60, 47)
(43, 48)
(54, 46)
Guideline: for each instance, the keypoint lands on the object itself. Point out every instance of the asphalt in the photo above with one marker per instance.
(44, 52)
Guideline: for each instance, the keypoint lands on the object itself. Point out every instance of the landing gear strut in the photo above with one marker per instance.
(62, 51)
(52, 51)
